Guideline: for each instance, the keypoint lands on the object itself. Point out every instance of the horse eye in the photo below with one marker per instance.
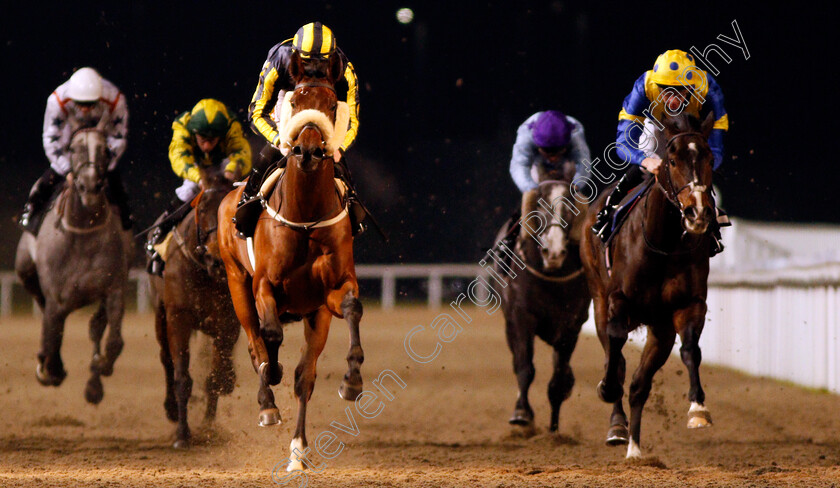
(672, 162)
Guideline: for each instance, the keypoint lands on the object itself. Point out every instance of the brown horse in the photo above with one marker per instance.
(302, 256)
(193, 295)
(658, 276)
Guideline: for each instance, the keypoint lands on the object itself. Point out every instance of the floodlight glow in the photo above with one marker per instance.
(405, 15)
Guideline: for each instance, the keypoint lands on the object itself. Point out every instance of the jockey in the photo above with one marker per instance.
(207, 136)
(315, 44)
(86, 100)
(675, 83)
(544, 142)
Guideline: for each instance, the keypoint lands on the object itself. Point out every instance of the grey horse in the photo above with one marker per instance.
(79, 257)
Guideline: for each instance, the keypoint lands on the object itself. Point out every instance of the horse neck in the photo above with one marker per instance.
(662, 225)
(308, 196)
(79, 216)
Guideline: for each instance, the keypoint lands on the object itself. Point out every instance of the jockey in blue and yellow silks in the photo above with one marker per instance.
(675, 83)
(315, 44)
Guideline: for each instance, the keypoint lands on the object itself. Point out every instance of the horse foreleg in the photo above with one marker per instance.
(617, 433)
(345, 300)
(689, 323)
(50, 370)
(270, 338)
(222, 376)
(316, 328)
(179, 350)
(93, 389)
(613, 335)
(115, 308)
(563, 380)
(170, 405)
(658, 346)
(520, 339)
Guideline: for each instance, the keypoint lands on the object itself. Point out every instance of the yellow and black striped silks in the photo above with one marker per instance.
(274, 78)
(186, 157)
(314, 40)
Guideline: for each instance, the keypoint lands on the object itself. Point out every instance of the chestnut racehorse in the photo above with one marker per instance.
(193, 295)
(658, 276)
(302, 255)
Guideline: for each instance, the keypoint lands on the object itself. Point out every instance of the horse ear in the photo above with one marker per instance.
(336, 70)
(295, 66)
(708, 123)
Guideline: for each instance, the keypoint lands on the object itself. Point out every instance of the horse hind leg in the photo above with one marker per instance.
(179, 350)
(613, 335)
(658, 347)
(96, 329)
(222, 376)
(316, 328)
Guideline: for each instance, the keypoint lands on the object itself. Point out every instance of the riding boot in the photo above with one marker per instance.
(602, 226)
(250, 206)
(720, 220)
(171, 217)
(41, 193)
(356, 211)
(116, 195)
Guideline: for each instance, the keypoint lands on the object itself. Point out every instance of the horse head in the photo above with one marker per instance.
(686, 172)
(551, 238)
(206, 205)
(310, 131)
(88, 165)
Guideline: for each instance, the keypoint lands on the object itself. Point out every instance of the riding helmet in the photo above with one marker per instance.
(209, 118)
(671, 65)
(85, 86)
(314, 40)
(551, 129)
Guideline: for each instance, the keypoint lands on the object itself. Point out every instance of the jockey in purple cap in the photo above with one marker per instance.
(549, 145)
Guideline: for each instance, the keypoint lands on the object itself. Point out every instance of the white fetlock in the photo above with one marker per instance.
(698, 416)
(633, 450)
(296, 464)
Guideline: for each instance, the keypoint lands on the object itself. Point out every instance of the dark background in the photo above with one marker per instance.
(441, 98)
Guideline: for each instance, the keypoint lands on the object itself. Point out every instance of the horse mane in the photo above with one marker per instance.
(675, 124)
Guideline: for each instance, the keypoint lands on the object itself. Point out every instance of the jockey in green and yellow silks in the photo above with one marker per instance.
(208, 136)
(674, 85)
(315, 43)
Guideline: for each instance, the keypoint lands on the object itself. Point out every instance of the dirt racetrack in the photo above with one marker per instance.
(447, 428)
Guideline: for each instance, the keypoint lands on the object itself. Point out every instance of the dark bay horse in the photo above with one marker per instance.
(658, 278)
(302, 256)
(549, 299)
(192, 296)
(79, 257)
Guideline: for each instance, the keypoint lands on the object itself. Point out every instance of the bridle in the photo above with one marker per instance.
(672, 195)
(201, 235)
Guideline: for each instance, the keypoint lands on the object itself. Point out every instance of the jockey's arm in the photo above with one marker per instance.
(631, 119)
(265, 97)
(714, 97)
(56, 135)
(117, 130)
(238, 151)
(579, 150)
(524, 152)
(181, 152)
(352, 83)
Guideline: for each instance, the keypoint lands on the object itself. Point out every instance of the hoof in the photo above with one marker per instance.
(269, 417)
(93, 390)
(633, 451)
(617, 435)
(522, 417)
(47, 379)
(271, 376)
(295, 466)
(181, 444)
(609, 395)
(349, 391)
(699, 417)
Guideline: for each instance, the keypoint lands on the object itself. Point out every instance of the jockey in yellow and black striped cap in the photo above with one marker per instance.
(314, 42)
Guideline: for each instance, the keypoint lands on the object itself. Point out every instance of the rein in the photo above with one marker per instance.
(553, 279)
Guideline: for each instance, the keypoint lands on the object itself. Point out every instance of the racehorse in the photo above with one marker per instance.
(80, 256)
(549, 299)
(193, 295)
(302, 254)
(658, 276)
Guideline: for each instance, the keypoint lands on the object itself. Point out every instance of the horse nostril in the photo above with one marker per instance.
(691, 213)
(707, 213)
(318, 154)
(297, 150)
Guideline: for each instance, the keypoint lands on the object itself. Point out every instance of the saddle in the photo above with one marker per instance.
(626, 205)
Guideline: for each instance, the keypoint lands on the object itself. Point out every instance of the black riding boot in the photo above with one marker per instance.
(41, 193)
(356, 211)
(250, 207)
(602, 225)
(116, 195)
(172, 216)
